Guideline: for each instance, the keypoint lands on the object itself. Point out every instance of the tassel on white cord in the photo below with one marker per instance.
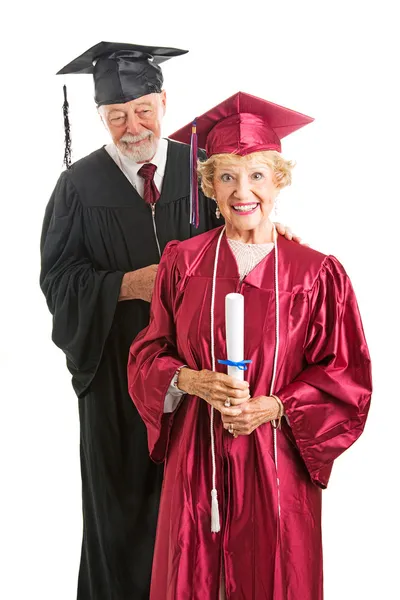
(215, 521)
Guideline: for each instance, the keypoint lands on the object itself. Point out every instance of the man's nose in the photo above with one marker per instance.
(133, 124)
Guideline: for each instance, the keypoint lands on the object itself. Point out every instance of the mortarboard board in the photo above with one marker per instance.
(242, 124)
(121, 73)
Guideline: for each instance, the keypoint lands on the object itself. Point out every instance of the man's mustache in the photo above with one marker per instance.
(128, 138)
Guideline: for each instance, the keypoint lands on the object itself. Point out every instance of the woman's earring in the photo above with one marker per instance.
(217, 211)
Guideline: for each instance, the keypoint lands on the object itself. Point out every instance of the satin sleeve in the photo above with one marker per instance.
(153, 357)
(81, 299)
(327, 404)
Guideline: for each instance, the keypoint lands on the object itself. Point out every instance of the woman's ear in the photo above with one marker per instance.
(279, 179)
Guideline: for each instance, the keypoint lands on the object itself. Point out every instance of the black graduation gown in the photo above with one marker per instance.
(96, 228)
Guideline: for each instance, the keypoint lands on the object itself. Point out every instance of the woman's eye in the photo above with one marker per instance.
(257, 176)
(226, 177)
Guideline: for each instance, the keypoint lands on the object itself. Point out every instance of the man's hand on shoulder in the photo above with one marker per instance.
(139, 284)
(288, 234)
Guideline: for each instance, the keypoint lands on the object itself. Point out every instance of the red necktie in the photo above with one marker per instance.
(151, 193)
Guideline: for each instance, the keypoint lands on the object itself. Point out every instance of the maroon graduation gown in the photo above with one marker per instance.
(324, 381)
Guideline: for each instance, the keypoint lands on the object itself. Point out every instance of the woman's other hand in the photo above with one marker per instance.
(216, 389)
(255, 412)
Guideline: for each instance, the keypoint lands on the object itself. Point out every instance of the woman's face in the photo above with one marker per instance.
(245, 192)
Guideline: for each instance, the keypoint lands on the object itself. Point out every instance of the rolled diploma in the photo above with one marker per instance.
(234, 324)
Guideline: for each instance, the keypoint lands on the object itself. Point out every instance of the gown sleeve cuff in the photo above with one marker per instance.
(319, 473)
(172, 398)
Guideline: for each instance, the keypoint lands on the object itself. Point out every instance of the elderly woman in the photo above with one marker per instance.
(274, 438)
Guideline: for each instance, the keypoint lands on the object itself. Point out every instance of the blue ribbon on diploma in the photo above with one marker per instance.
(231, 363)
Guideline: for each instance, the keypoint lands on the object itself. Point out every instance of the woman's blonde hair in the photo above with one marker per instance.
(281, 168)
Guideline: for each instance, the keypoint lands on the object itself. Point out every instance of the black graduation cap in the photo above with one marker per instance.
(121, 73)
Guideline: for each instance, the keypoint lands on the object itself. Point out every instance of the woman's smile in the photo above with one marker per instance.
(245, 208)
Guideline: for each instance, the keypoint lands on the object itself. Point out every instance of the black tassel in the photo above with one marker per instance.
(67, 152)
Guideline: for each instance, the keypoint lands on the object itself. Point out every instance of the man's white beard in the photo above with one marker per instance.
(142, 153)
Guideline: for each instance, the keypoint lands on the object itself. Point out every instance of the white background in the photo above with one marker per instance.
(337, 61)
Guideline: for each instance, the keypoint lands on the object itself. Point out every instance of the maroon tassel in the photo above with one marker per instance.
(194, 185)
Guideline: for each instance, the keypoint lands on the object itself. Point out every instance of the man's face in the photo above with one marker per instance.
(135, 126)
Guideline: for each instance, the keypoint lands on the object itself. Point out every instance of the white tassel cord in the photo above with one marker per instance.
(215, 521)
(274, 424)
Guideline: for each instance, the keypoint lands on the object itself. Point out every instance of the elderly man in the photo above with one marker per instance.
(108, 220)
